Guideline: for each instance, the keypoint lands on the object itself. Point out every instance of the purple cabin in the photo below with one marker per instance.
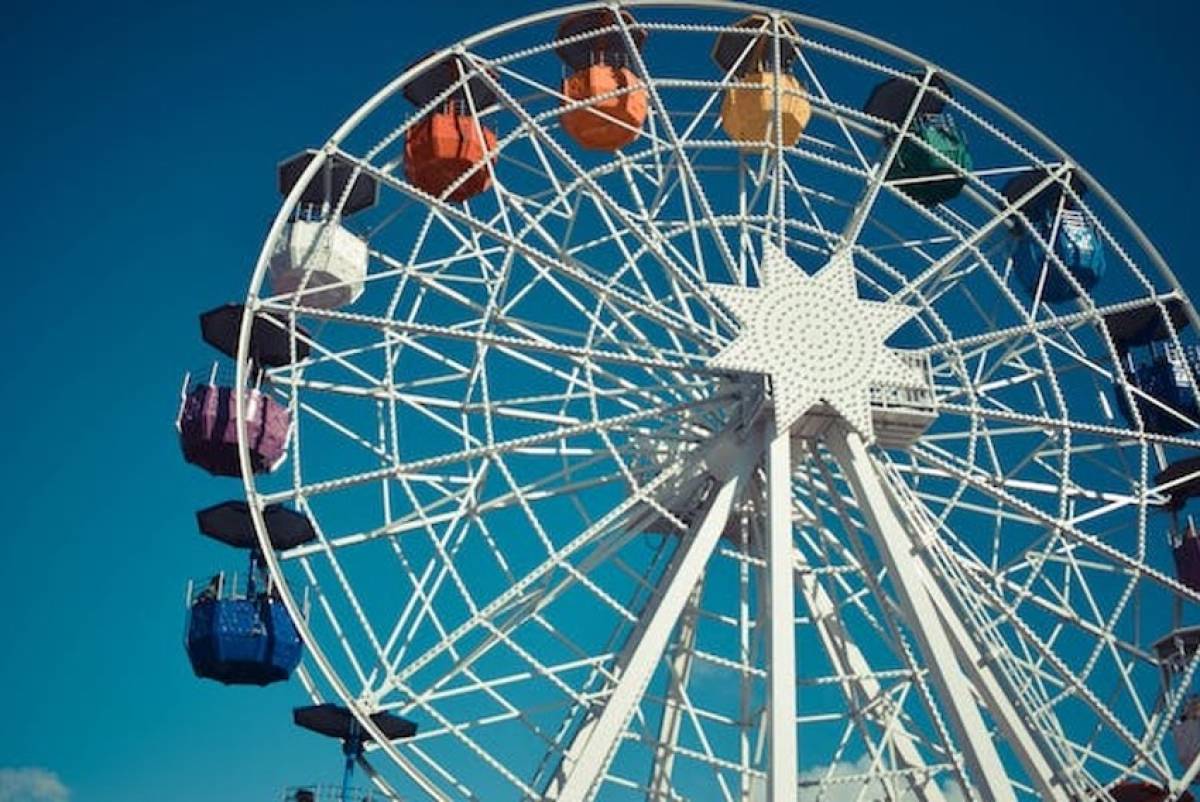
(208, 431)
(1186, 550)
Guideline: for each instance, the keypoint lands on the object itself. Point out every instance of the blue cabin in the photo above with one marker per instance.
(244, 636)
(1160, 372)
(1053, 217)
(241, 638)
(1166, 375)
(1076, 244)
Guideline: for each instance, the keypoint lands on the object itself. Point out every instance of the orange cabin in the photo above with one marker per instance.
(601, 65)
(445, 146)
(450, 143)
(607, 124)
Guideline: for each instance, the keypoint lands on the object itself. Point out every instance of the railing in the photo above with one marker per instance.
(219, 374)
(330, 793)
(1183, 361)
(887, 396)
(1074, 218)
(233, 586)
(943, 121)
(223, 586)
(1191, 708)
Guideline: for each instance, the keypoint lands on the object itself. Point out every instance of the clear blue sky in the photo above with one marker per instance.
(138, 183)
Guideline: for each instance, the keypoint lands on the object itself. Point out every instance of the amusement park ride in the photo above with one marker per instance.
(797, 424)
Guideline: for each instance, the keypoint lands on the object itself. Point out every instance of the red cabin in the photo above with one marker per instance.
(1131, 791)
(447, 152)
(1185, 547)
(1183, 477)
(602, 66)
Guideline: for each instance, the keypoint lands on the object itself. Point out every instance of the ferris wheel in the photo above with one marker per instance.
(701, 401)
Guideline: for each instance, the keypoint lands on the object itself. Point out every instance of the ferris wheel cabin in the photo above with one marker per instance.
(748, 110)
(336, 721)
(447, 153)
(1176, 655)
(316, 257)
(208, 429)
(1134, 791)
(933, 155)
(1159, 371)
(240, 632)
(238, 635)
(1181, 481)
(1059, 254)
(207, 420)
(593, 46)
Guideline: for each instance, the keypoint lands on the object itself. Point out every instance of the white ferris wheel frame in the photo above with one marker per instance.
(897, 521)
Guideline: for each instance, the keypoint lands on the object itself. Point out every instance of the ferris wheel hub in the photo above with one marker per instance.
(821, 344)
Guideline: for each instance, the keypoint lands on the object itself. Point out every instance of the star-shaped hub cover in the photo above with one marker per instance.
(817, 340)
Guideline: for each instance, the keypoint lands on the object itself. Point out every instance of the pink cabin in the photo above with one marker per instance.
(208, 431)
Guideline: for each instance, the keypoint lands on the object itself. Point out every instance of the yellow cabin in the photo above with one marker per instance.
(747, 55)
(748, 113)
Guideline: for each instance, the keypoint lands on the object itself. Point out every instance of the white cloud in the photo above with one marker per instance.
(31, 784)
(844, 792)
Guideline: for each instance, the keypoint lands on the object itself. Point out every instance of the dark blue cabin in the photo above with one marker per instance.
(1068, 234)
(1160, 372)
(244, 636)
(242, 640)
(1166, 375)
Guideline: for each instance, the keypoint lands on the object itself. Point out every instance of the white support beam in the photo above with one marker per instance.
(849, 662)
(878, 176)
(896, 547)
(783, 761)
(594, 747)
(674, 709)
(1000, 707)
(980, 671)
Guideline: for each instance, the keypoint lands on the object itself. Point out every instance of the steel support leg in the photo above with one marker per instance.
(673, 709)
(594, 747)
(780, 615)
(848, 660)
(983, 676)
(895, 546)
